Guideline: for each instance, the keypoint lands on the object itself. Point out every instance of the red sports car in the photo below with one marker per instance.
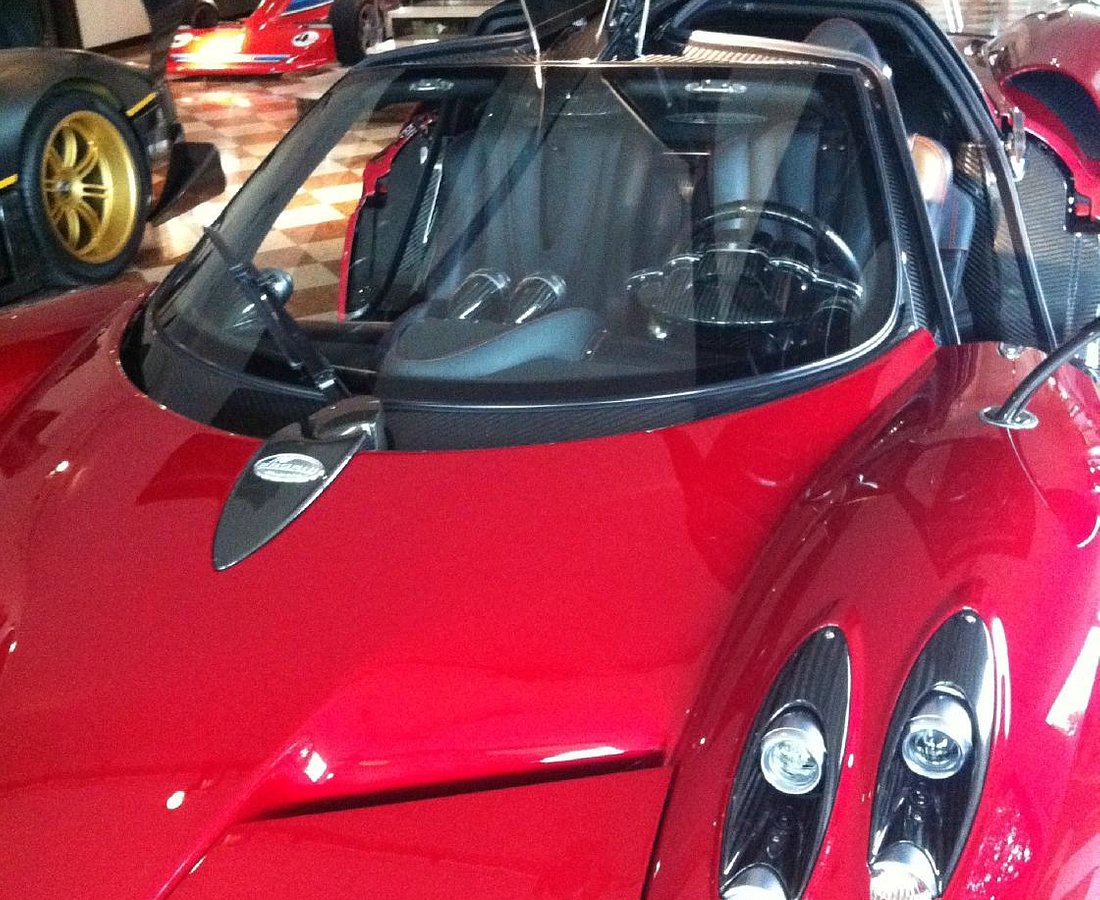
(278, 36)
(677, 492)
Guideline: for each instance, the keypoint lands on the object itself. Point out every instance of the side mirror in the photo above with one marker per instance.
(1013, 414)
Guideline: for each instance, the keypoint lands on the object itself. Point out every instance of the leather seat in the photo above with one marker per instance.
(805, 163)
(950, 210)
(517, 197)
(846, 35)
(594, 177)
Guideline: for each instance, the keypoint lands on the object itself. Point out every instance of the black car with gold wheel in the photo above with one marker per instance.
(90, 150)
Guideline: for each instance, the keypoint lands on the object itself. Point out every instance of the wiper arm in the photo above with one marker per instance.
(293, 343)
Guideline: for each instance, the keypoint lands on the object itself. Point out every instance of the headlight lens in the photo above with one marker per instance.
(755, 883)
(792, 753)
(938, 738)
(903, 872)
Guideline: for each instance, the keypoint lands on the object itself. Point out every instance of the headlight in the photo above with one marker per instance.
(786, 781)
(903, 872)
(933, 766)
(792, 753)
(755, 883)
(938, 738)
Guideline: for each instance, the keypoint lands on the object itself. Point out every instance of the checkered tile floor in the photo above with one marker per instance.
(307, 239)
(245, 118)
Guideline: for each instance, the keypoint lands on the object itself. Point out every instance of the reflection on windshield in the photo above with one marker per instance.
(615, 231)
(983, 16)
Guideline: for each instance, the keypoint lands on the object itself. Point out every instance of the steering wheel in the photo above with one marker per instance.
(820, 232)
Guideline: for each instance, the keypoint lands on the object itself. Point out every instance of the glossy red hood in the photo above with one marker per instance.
(433, 623)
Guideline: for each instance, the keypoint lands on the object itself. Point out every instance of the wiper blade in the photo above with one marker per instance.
(293, 343)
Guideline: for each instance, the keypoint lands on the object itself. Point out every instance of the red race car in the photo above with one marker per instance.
(278, 36)
(678, 491)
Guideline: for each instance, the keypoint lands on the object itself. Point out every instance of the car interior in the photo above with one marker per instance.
(966, 208)
(512, 271)
(755, 227)
(741, 238)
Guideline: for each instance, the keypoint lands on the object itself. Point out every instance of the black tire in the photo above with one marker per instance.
(124, 219)
(204, 14)
(356, 26)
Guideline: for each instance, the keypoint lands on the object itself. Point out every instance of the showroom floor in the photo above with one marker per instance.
(245, 118)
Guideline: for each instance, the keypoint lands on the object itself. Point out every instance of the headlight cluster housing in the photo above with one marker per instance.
(934, 763)
(929, 780)
(786, 782)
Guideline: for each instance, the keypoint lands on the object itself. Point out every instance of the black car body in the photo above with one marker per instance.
(34, 80)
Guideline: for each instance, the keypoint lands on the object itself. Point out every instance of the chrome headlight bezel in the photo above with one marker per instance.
(934, 813)
(767, 828)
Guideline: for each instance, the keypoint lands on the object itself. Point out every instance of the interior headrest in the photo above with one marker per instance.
(934, 168)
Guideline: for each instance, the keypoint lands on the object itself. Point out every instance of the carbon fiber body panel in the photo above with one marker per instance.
(1068, 263)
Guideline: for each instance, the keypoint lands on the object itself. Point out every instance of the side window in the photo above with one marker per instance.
(976, 248)
(950, 209)
(994, 303)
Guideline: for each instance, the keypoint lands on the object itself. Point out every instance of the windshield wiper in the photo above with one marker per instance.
(293, 343)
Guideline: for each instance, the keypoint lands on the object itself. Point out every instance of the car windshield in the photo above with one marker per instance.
(521, 233)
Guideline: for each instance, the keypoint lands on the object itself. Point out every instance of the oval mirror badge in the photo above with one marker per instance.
(289, 468)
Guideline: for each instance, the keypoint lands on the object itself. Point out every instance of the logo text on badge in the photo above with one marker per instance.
(289, 468)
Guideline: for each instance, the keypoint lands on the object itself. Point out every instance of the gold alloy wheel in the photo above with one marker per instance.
(89, 185)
